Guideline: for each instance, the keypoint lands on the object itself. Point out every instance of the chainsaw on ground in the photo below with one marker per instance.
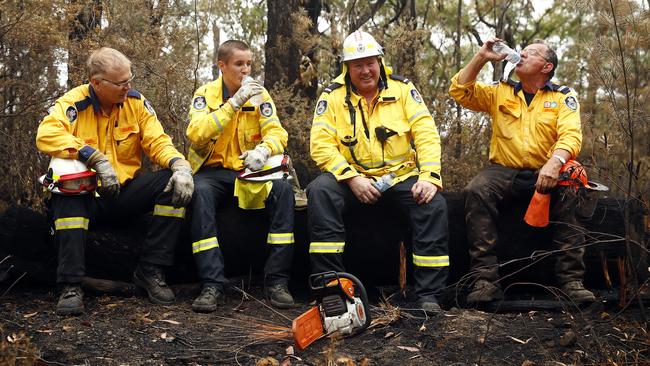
(341, 306)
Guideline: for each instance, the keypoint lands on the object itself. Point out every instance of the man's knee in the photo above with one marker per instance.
(323, 186)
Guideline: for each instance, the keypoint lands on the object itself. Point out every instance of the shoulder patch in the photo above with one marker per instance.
(416, 96)
(149, 107)
(134, 94)
(321, 107)
(71, 114)
(199, 103)
(400, 78)
(266, 109)
(332, 87)
(571, 103)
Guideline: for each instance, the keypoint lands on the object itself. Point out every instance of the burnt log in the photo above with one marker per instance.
(372, 250)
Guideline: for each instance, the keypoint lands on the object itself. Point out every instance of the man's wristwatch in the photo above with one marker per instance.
(561, 159)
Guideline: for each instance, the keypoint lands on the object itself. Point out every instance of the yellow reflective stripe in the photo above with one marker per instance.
(280, 238)
(265, 123)
(418, 114)
(216, 121)
(275, 143)
(205, 244)
(336, 167)
(431, 261)
(195, 158)
(326, 247)
(169, 211)
(432, 163)
(71, 223)
(326, 125)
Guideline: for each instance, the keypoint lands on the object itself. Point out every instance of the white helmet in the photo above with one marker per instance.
(276, 167)
(360, 44)
(68, 176)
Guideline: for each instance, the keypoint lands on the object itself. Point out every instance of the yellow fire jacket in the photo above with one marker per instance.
(219, 134)
(349, 144)
(523, 136)
(77, 122)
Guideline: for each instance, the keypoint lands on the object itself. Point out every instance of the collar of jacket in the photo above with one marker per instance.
(225, 93)
(94, 99)
(518, 86)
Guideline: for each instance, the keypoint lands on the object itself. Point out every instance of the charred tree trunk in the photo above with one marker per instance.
(282, 53)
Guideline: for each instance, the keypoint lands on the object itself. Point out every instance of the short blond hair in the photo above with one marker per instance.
(103, 59)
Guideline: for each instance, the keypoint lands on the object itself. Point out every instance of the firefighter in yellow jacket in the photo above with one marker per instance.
(107, 125)
(367, 125)
(535, 130)
(229, 133)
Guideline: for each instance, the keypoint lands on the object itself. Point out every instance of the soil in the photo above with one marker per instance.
(128, 330)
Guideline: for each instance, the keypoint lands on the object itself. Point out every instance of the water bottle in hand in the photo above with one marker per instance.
(512, 56)
(255, 100)
(385, 182)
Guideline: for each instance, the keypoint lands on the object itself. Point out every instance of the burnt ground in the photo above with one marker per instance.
(128, 330)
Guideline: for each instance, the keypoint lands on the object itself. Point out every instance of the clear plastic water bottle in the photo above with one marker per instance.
(255, 100)
(512, 56)
(385, 182)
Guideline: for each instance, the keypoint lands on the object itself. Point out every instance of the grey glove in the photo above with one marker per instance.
(110, 184)
(245, 92)
(256, 158)
(182, 183)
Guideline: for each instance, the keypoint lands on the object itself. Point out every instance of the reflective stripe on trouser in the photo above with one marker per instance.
(139, 196)
(328, 200)
(497, 183)
(214, 186)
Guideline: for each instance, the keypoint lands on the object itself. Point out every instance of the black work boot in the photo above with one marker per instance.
(279, 296)
(208, 300)
(70, 301)
(430, 307)
(577, 292)
(152, 279)
(484, 291)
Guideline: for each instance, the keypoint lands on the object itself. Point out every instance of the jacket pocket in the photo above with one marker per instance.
(252, 137)
(127, 142)
(398, 141)
(507, 122)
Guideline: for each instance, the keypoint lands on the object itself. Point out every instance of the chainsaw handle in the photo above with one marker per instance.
(318, 283)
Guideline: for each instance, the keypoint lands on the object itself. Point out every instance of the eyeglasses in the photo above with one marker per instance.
(534, 52)
(123, 84)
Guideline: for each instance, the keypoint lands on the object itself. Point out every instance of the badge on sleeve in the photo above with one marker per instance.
(416, 96)
(149, 107)
(266, 109)
(71, 113)
(321, 107)
(199, 103)
(571, 102)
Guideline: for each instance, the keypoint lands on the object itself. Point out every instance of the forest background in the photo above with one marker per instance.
(603, 48)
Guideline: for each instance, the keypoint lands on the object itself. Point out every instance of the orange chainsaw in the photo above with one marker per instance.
(342, 306)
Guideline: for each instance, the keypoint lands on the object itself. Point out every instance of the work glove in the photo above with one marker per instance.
(245, 92)
(182, 183)
(110, 186)
(256, 158)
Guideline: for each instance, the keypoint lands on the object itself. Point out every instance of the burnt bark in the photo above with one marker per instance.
(281, 51)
